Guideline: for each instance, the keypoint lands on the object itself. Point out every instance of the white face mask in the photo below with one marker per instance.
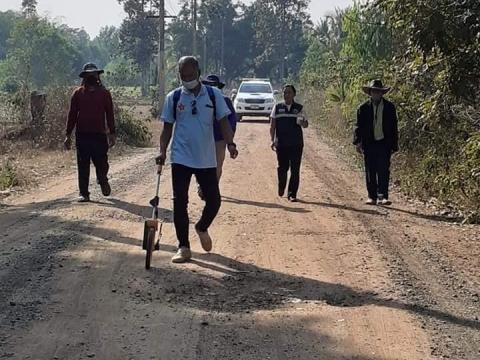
(190, 85)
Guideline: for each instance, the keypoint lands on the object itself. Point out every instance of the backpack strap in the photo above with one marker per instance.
(211, 95)
(176, 98)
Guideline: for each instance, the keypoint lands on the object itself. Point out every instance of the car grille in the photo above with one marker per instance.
(249, 108)
(255, 101)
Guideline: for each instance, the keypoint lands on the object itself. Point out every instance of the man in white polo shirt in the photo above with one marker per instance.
(189, 114)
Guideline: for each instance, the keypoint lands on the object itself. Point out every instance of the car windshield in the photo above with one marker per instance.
(256, 88)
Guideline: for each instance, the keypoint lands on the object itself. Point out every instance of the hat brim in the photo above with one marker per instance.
(220, 85)
(367, 89)
(86, 72)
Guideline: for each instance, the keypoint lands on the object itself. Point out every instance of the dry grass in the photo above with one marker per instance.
(31, 162)
(33, 166)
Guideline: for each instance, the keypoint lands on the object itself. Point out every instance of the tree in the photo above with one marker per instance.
(180, 32)
(107, 45)
(122, 72)
(448, 32)
(241, 40)
(216, 21)
(138, 37)
(29, 7)
(279, 32)
(38, 54)
(7, 23)
(82, 48)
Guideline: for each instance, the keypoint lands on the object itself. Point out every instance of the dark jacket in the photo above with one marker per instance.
(364, 130)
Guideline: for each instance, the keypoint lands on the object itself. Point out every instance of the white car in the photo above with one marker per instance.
(254, 97)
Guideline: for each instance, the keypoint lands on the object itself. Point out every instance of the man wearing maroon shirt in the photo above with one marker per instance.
(91, 114)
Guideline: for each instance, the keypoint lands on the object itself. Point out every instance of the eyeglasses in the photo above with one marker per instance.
(194, 107)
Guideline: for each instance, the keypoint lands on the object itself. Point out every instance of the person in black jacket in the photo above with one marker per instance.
(376, 137)
(286, 122)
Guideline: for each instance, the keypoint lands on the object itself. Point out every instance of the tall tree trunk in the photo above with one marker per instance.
(144, 80)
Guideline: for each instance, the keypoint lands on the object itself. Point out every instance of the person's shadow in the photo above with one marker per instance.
(228, 287)
(144, 211)
(342, 207)
(238, 287)
(266, 205)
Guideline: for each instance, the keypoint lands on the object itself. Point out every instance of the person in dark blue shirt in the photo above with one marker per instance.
(220, 144)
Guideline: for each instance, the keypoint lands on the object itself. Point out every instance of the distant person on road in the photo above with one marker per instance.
(376, 137)
(220, 143)
(286, 122)
(91, 115)
(193, 110)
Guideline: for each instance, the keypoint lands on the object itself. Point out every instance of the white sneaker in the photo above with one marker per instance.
(370, 202)
(183, 255)
(384, 202)
(205, 240)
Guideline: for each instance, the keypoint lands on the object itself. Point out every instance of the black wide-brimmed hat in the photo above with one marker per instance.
(90, 68)
(375, 85)
(213, 80)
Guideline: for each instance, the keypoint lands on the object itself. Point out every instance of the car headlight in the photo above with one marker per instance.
(269, 101)
(240, 100)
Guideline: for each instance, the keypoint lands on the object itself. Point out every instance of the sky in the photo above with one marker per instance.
(91, 15)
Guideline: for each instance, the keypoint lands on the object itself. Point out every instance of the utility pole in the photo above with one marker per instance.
(161, 53)
(194, 26)
(222, 51)
(204, 59)
(282, 41)
(161, 57)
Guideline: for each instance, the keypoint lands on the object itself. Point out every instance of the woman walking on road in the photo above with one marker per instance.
(286, 122)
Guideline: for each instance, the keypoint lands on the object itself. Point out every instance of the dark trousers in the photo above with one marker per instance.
(92, 147)
(289, 158)
(208, 182)
(377, 169)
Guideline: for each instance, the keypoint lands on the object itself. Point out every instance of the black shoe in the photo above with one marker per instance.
(83, 199)
(292, 198)
(106, 189)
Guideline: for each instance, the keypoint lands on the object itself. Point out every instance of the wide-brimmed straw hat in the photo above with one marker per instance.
(375, 85)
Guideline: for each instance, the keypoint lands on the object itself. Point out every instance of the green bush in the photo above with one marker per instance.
(8, 176)
(130, 130)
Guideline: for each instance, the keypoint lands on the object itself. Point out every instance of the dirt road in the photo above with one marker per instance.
(325, 278)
